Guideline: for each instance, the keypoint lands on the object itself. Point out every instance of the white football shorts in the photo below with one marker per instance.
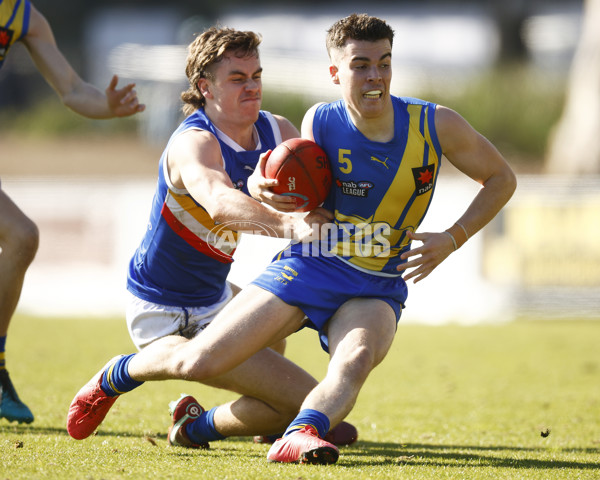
(147, 321)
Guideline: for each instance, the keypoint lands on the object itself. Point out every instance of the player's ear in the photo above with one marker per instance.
(203, 87)
(333, 72)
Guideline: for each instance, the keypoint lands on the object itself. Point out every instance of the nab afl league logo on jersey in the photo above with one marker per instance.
(5, 39)
(355, 189)
(423, 178)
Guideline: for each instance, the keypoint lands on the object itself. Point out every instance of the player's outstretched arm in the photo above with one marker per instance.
(78, 95)
(195, 163)
(475, 156)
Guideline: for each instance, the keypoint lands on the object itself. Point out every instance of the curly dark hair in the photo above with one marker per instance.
(209, 48)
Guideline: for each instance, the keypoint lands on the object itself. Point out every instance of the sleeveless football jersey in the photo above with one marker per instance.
(14, 23)
(184, 257)
(380, 190)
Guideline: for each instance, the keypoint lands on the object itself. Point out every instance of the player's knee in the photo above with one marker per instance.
(358, 362)
(22, 242)
(209, 368)
(195, 368)
(30, 240)
(185, 368)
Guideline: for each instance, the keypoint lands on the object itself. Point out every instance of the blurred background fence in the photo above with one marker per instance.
(504, 65)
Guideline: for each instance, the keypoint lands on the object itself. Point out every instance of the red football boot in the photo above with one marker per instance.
(184, 411)
(342, 435)
(303, 446)
(90, 406)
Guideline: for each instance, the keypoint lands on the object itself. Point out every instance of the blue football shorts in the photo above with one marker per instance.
(319, 285)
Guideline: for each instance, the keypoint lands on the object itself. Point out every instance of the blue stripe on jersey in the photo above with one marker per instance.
(14, 14)
(26, 17)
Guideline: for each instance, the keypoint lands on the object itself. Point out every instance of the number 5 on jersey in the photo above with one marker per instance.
(344, 160)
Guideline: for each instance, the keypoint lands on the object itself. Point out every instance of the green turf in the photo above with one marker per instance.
(448, 402)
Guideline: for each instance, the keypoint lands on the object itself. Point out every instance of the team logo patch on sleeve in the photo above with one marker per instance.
(423, 178)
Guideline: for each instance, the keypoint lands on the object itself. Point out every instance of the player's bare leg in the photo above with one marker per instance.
(272, 389)
(360, 335)
(252, 321)
(271, 386)
(19, 240)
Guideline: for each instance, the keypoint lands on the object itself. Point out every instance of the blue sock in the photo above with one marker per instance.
(203, 428)
(314, 418)
(2, 350)
(116, 379)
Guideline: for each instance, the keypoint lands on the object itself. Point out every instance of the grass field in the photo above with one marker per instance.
(448, 402)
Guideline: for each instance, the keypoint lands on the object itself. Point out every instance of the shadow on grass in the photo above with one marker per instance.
(370, 453)
(364, 454)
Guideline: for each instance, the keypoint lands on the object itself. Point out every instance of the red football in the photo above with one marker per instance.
(303, 172)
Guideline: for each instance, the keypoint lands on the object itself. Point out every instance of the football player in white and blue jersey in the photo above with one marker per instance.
(177, 277)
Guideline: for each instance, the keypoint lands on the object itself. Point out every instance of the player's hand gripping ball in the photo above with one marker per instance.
(302, 170)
